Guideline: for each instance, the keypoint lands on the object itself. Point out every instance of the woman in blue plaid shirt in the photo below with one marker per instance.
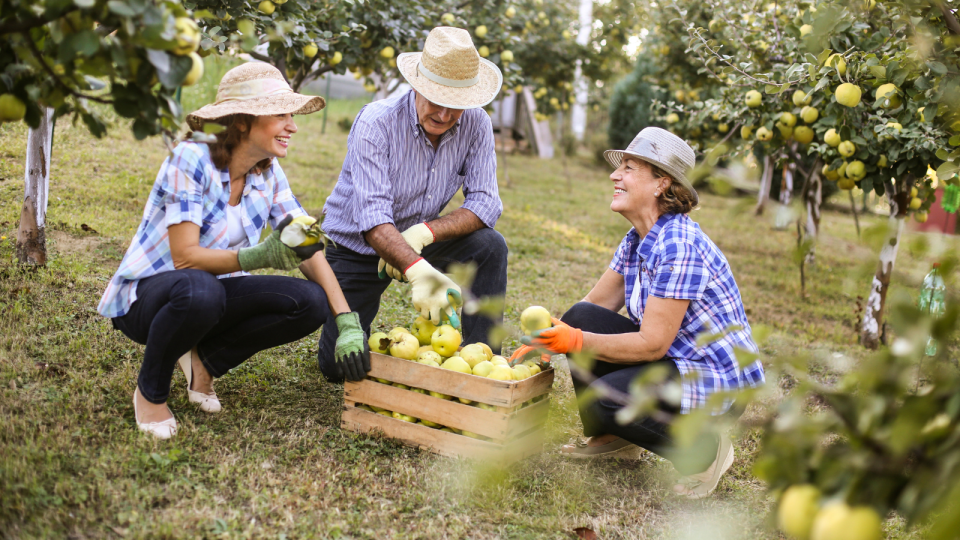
(183, 288)
(676, 285)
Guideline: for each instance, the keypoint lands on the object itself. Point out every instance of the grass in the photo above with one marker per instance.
(275, 464)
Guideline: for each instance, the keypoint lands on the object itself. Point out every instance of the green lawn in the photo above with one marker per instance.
(275, 463)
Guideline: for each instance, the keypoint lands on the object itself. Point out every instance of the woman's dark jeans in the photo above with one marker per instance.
(228, 320)
(599, 415)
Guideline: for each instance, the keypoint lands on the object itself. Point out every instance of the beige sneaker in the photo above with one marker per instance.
(698, 486)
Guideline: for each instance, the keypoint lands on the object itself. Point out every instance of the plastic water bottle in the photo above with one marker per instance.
(931, 301)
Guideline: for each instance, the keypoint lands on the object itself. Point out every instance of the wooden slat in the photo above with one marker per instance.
(531, 387)
(527, 418)
(441, 442)
(527, 445)
(447, 413)
(472, 387)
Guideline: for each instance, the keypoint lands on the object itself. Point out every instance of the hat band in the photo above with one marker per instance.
(455, 83)
(651, 150)
(254, 89)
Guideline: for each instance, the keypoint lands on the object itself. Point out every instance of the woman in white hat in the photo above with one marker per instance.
(676, 284)
(183, 287)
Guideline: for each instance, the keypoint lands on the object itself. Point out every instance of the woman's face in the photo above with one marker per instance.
(270, 135)
(634, 186)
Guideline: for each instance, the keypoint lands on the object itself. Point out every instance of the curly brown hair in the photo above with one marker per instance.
(676, 199)
(237, 129)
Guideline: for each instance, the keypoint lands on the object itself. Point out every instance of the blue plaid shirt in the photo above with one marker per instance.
(393, 174)
(189, 188)
(677, 260)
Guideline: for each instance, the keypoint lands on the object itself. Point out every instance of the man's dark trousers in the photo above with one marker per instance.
(362, 287)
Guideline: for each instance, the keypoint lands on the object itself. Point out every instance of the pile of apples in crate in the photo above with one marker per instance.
(439, 346)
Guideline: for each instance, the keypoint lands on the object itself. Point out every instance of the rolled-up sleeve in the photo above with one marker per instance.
(283, 201)
(618, 263)
(181, 180)
(368, 162)
(481, 194)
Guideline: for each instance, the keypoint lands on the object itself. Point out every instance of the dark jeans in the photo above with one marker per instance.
(228, 320)
(362, 287)
(599, 415)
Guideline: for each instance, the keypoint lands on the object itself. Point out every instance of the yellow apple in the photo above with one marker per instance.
(379, 342)
(830, 175)
(856, 170)
(439, 395)
(801, 98)
(480, 31)
(405, 346)
(672, 118)
(746, 132)
(764, 134)
(310, 50)
(535, 318)
(423, 330)
(507, 56)
(847, 148)
(404, 417)
(837, 61)
(387, 52)
(848, 95)
(916, 203)
(448, 18)
(484, 51)
(482, 369)
(798, 507)
(533, 366)
(498, 360)
(267, 7)
(196, 71)
(832, 138)
(921, 217)
(809, 114)
(188, 36)
(336, 58)
(473, 354)
(723, 128)
(788, 119)
(428, 356)
(394, 334)
(753, 99)
(806, 29)
(882, 162)
(803, 134)
(888, 93)
(455, 363)
(446, 340)
(501, 373)
(510, 12)
(521, 372)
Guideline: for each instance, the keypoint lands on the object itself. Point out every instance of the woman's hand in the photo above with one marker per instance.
(272, 253)
(526, 351)
(561, 338)
(352, 353)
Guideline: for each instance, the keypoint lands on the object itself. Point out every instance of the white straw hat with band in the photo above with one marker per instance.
(449, 72)
(663, 149)
(254, 88)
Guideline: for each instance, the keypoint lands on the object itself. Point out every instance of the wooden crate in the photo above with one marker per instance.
(514, 433)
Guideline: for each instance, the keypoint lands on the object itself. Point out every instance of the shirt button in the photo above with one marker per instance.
(429, 196)
(433, 170)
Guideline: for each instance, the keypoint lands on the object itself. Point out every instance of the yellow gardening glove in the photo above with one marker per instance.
(417, 237)
(430, 289)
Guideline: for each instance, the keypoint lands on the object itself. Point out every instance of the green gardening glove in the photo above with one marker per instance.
(352, 353)
(272, 253)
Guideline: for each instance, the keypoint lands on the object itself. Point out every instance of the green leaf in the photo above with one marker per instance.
(955, 140)
(84, 4)
(937, 68)
(947, 169)
(121, 8)
(84, 43)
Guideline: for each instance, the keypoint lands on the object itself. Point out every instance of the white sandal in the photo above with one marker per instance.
(698, 486)
(208, 402)
(161, 430)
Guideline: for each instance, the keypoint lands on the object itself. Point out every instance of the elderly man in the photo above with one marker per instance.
(406, 158)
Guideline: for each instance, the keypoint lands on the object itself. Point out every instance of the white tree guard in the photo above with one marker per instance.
(766, 179)
(31, 238)
(812, 198)
(873, 311)
(578, 117)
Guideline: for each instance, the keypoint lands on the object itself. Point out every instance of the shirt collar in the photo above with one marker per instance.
(415, 120)
(651, 238)
(253, 181)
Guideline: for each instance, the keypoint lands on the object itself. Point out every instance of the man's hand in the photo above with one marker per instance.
(526, 351)
(561, 338)
(352, 353)
(417, 237)
(429, 290)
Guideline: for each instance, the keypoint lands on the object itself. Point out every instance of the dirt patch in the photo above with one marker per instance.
(67, 244)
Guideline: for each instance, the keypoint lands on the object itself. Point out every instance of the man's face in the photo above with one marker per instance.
(436, 120)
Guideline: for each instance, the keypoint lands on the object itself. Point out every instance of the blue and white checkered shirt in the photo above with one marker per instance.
(677, 260)
(393, 174)
(189, 188)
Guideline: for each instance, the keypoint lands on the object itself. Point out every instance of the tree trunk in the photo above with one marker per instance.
(812, 198)
(503, 139)
(578, 113)
(785, 213)
(766, 179)
(31, 238)
(872, 326)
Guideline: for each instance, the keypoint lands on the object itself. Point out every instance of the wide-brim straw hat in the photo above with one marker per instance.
(449, 72)
(255, 88)
(663, 149)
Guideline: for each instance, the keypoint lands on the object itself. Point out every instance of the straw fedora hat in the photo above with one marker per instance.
(449, 72)
(255, 88)
(663, 149)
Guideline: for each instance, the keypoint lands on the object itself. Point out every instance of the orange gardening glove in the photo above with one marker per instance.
(561, 338)
(524, 351)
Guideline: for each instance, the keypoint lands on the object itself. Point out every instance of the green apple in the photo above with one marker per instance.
(753, 99)
(521, 372)
(423, 329)
(447, 18)
(803, 134)
(267, 7)
(188, 36)
(746, 132)
(788, 119)
(806, 29)
(445, 340)
(832, 138)
(888, 93)
(439, 395)
(196, 70)
(12, 108)
(847, 148)
(428, 356)
(764, 134)
(798, 507)
(533, 366)
(848, 95)
(404, 417)
(501, 373)
(809, 114)
(510, 12)
(394, 334)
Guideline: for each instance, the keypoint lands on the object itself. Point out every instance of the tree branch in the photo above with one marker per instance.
(22, 26)
(39, 56)
(949, 18)
(261, 57)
